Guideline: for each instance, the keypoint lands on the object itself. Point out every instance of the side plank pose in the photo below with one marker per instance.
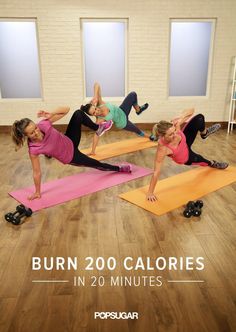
(42, 138)
(119, 115)
(176, 144)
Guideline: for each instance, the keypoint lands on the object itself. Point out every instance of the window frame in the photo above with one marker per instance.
(26, 19)
(212, 20)
(124, 20)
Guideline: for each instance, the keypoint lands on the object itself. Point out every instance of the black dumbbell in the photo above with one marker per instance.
(190, 205)
(188, 211)
(20, 208)
(197, 212)
(193, 209)
(21, 212)
(9, 216)
(199, 204)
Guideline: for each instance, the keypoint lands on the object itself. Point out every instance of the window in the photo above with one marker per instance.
(19, 63)
(190, 50)
(104, 53)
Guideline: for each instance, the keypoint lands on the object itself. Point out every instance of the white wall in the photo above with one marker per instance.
(148, 39)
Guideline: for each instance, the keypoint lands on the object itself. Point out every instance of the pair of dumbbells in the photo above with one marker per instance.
(193, 209)
(17, 216)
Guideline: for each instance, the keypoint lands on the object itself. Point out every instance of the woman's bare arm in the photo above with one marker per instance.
(160, 156)
(97, 97)
(184, 116)
(36, 176)
(55, 115)
(95, 139)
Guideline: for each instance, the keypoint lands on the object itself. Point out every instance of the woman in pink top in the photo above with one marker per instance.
(176, 144)
(42, 138)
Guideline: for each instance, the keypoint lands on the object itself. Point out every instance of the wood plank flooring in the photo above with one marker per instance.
(103, 225)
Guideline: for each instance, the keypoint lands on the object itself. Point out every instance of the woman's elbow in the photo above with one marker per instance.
(156, 174)
(63, 109)
(192, 110)
(37, 174)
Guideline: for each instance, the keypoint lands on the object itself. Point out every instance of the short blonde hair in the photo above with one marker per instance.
(160, 128)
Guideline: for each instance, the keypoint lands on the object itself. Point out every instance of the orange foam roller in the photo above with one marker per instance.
(177, 190)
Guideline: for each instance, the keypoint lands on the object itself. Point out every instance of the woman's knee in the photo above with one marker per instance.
(78, 115)
(200, 117)
(133, 94)
(199, 121)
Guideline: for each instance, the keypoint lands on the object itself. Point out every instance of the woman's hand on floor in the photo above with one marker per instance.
(34, 196)
(91, 153)
(151, 197)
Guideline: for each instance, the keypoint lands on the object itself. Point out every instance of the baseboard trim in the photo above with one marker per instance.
(142, 126)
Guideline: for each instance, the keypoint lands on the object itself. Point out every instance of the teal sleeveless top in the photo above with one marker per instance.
(116, 114)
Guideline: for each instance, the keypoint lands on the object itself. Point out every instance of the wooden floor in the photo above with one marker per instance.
(101, 224)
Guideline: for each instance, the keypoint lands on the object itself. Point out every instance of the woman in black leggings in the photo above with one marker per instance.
(177, 144)
(42, 138)
(119, 115)
(190, 130)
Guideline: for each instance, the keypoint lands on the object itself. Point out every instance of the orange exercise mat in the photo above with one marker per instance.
(177, 190)
(122, 147)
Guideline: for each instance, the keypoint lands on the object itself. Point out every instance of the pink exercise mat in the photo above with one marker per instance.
(75, 186)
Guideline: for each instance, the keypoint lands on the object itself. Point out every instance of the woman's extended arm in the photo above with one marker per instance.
(94, 145)
(184, 116)
(97, 96)
(160, 156)
(95, 139)
(56, 115)
(36, 176)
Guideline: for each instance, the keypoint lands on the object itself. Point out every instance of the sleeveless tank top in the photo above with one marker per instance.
(116, 114)
(180, 154)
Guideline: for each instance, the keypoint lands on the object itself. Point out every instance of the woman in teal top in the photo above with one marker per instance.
(119, 115)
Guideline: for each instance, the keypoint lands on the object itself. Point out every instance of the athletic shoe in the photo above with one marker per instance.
(219, 165)
(103, 127)
(153, 138)
(211, 130)
(142, 108)
(141, 134)
(126, 168)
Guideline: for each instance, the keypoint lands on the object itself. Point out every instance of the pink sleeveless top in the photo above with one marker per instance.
(54, 143)
(179, 154)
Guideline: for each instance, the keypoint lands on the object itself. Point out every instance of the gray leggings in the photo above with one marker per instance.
(126, 106)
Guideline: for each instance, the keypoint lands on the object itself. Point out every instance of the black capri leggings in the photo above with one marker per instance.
(73, 131)
(130, 101)
(197, 123)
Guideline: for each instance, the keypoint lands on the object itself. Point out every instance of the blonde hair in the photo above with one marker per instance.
(18, 132)
(160, 128)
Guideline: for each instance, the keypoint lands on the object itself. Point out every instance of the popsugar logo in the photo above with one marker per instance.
(115, 315)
